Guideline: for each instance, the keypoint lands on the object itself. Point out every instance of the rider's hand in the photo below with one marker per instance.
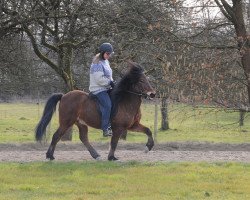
(112, 84)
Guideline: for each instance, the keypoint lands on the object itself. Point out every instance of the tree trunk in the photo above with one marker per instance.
(64, 61)
(164, 114)
(245, 60)
(235, 14)
(242, 117)
(243, 40)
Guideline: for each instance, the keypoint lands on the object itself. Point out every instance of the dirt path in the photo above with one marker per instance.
(166, 152)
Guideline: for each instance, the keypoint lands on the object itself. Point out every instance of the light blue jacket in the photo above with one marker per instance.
(100, 76)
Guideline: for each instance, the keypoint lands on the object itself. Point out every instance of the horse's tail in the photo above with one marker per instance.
(49, 109)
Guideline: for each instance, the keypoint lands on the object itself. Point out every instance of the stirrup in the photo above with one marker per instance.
(107, 132)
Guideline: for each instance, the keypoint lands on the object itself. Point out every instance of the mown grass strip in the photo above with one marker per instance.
(109, 180)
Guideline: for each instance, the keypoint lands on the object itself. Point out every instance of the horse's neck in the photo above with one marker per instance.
(134, 103)
(131, 105)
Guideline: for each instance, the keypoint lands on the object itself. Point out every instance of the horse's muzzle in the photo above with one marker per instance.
(151, 95)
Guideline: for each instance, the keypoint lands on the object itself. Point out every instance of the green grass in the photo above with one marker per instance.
(18, 121)
(109, 180)
(131, 180)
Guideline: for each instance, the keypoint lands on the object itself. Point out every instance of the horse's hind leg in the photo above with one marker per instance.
(83, 134)
(56, 137)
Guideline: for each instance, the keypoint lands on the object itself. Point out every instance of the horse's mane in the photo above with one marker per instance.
(127, 83)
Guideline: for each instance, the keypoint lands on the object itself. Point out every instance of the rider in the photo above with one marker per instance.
(101, 81)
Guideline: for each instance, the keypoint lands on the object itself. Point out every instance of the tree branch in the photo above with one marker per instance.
(229, 10)
(43, 34)
(225, 13)
(38, 52)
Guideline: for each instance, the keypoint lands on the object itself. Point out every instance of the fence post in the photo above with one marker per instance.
(156, 121)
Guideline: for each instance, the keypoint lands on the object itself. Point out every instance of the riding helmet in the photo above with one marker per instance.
(106, 47)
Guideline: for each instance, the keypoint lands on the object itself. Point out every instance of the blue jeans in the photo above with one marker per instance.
(105, 108)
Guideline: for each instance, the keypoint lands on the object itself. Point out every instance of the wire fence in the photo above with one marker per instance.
(175, 111)
(23, 117)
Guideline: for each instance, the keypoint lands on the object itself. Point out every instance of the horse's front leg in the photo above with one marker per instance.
(140, 128)
(113, 144)
(83, 134)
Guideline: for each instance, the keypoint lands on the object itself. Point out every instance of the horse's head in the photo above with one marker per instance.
(136, 81)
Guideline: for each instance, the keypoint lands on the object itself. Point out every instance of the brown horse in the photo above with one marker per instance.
(77, 107)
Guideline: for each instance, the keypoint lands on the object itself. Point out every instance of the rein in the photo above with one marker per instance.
(138, 94)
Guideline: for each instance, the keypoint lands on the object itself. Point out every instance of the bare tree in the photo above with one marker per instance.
(233, 11)
(55, 29)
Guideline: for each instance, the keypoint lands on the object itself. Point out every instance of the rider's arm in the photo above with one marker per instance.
(98, 76)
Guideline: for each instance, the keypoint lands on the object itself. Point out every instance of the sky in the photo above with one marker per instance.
(212, 11)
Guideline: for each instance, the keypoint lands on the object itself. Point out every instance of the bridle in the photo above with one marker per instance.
(144, 95)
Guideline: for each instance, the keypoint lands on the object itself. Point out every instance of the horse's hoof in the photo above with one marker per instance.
(49, 157)
(112, 158)
(150, 146)
(98, 158)
(146, 150)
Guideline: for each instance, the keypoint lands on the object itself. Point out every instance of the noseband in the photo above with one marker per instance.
(139, 94)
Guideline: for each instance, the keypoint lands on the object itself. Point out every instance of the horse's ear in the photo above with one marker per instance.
(134, 66)
(127, 68)
(130, 64)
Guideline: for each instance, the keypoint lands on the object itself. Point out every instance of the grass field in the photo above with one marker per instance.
(109, 180)
(18, 121)
(130, 180)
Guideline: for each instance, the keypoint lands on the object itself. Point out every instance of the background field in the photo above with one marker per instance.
(18, 121)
